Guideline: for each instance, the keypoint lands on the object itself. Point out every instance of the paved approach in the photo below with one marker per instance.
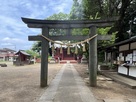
(67, 86)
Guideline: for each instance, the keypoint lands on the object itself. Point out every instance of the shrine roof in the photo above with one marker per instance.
(22, 52)
(132, 39)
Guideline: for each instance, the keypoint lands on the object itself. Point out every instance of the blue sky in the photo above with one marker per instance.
(13, 32)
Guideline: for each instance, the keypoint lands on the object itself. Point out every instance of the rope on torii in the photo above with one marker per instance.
(70, 44)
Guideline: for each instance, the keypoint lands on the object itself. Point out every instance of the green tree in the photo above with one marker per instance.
(112, 8)
(90, 8)
(124, 9)
(126, 20)
(102, 44)
(37, 47)
(32, 53)
(76, 12)
(101, 8)
(59, 16)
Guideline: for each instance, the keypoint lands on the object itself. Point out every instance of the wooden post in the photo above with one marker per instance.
(44, 58)
(105, 53)
(111, 61)
(68, 31)
(93, 58)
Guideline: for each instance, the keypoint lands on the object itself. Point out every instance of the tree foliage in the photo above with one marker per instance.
(76, 12)
(126, 20)
(32, 53)
(59, 16)
(37, 46)
(124, 9)
(104, 31)
(90, 8)
(101, 8)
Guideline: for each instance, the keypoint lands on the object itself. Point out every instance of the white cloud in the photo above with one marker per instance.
(6, 44)
(16, 43)
(60, 8)
(13, 40)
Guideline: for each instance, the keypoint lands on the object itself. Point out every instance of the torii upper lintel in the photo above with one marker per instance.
(63, 24)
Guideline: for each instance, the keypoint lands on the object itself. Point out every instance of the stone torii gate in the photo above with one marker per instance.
(45, 25)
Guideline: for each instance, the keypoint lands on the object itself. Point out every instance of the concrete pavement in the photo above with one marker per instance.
(67, 86)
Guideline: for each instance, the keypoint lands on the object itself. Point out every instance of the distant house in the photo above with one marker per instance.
(7, 54)
(22, 58)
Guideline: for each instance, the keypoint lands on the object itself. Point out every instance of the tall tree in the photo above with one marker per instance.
(37, 47)
(101, 8)
(126, 19)
(124, 9)
(90, 8)
(76, 12)
(32, 53)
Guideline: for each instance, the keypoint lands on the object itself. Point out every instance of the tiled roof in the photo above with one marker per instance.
(23, 52)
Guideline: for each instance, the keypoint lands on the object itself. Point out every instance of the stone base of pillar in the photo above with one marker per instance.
(84, 59)
(52, 60)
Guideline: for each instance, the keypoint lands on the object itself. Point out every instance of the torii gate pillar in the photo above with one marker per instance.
(44, 58)
(93, 57)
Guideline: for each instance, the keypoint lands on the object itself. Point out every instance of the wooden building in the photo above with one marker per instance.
(64, 55)
(22, 58)
(126, 57)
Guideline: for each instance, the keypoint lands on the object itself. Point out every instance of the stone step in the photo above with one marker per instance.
(3, 65)
(70, 61)
(132, 100)
(100, 100)
(115, 100)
